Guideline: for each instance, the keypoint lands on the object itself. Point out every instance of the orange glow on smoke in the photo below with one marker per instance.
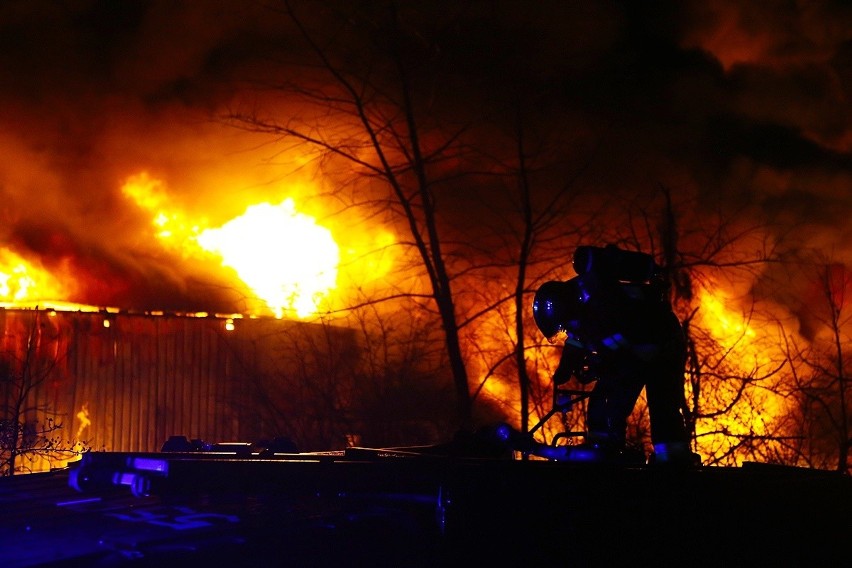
(734, 331)
(286, 259)
(727, 327)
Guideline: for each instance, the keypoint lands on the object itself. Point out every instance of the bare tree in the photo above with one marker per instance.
(380, 132)
(819, 380)
(538, 229)
(30, 431)
(402, 393)
(382, 127)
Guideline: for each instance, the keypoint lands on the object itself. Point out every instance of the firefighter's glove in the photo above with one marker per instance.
(591, 369)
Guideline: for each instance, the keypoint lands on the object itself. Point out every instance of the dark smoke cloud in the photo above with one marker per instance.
(740, 101)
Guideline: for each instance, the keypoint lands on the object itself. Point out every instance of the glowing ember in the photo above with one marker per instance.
(284, 256)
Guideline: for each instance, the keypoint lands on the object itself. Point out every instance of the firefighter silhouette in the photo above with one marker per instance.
(620, 332)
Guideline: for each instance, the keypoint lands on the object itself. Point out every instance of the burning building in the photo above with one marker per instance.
(247, 367)
(122, 381)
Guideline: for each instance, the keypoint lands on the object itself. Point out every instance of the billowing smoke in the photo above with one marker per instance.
(746, 104)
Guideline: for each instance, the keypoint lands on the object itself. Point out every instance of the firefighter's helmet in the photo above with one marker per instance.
(556, 307)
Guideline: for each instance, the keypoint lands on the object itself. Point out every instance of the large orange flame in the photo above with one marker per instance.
(744, 337)
(286, 259)
(282, 260)
(284, 256)
(751, 353)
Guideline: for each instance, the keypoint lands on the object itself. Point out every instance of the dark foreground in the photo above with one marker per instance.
(367, 507)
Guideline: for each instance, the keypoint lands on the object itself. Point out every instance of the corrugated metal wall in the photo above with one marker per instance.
(142, 378)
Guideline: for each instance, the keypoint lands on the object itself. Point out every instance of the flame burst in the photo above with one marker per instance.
(299, 271)
(24, 282)
(287, 259)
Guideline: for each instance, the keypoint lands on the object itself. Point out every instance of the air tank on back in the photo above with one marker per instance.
(611, 261)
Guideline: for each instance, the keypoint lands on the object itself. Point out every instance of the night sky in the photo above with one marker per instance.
(743, 102)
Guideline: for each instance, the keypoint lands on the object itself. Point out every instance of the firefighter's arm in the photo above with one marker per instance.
(619, 342)
(571, 363)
